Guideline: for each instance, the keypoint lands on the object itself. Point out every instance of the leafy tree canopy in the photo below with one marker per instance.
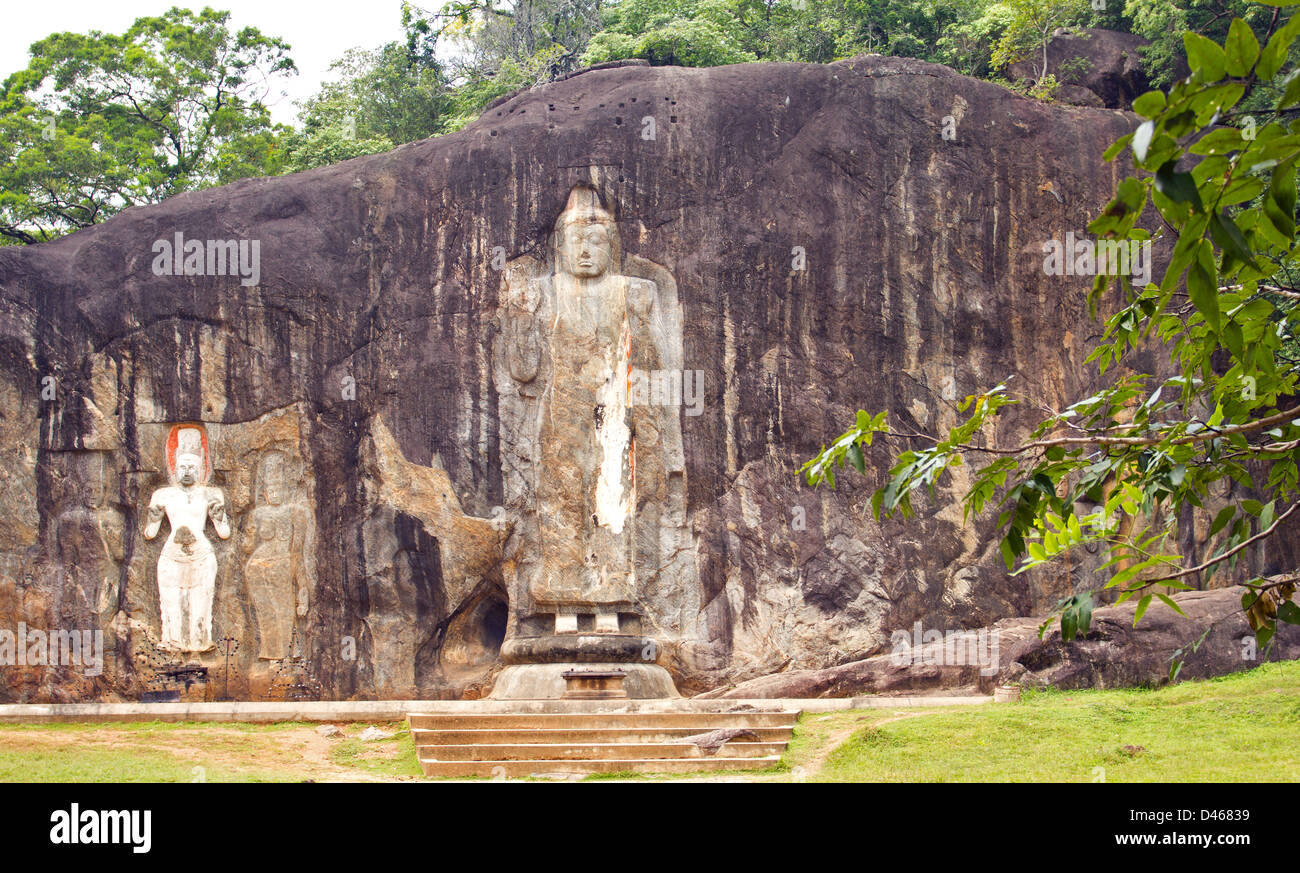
(99, 122)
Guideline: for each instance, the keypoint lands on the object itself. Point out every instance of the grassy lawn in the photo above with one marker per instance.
(200, 752)
(1231, 729)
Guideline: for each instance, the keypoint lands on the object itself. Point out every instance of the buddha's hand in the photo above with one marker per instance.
(216, 506)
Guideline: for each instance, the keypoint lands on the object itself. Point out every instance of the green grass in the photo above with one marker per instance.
(1232, 729)
(191, 752)
(391, 757)
(110, 765)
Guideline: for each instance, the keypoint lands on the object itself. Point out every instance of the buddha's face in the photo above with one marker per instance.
(273, 480)
(586, 251)
(187, 469)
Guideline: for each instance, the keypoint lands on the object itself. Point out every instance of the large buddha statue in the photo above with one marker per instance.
(572, 331)
(586, 491)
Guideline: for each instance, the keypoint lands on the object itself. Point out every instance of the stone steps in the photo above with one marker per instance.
(509, 745)
(600, 735)
(594, 751)
(553, 720)
(524, 769)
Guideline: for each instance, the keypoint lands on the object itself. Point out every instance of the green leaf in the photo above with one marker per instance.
(1241, 48)
(854, 454)
(1230, 239)
(1263, 635)
(1233, 339)
(1172, 604)
(1221, 520)
(1116, 147)
(1149, 104)
(1178, 187)
(1204, 56)
(1274, 54)
(1069, 625)
(1084, 611)
(1141, 608)
(1288, 612)
(1202, 285)
(1291, 94)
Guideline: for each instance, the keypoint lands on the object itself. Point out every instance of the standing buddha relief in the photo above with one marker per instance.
(572, 334)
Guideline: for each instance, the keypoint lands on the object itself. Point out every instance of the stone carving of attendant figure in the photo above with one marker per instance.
(280, 559)
(187, 567)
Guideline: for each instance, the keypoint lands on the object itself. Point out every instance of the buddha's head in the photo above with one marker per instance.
(586, 236)
(190, 465)
(273, 478)
(187, 468)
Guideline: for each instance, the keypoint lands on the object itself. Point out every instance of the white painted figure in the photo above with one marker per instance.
(187, 567)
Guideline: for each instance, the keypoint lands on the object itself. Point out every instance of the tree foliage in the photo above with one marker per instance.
(1118, 467)
(1030, 25)
(380, 99)
(98, 122)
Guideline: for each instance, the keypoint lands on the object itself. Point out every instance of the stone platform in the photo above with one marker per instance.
(397, 710)
(521, 682)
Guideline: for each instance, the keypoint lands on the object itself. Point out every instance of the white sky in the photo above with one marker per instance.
(318, 31)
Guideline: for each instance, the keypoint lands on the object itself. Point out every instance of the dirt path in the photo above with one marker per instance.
(839, 736)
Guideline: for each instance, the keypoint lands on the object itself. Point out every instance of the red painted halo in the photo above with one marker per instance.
(173, 441)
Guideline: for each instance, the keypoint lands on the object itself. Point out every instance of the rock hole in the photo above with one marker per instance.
(474, 636)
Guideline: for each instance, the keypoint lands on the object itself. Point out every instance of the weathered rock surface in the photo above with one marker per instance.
(1211, 640)
(831, 251)
(1095, 67)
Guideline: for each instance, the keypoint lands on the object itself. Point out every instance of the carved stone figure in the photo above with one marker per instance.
(279, 570)
(572, 333)
(187, 567)
(89, 532)
(586, 493)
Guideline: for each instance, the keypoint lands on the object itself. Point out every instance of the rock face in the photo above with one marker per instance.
(343, 338)
(1095, 68)
(1210, 639)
